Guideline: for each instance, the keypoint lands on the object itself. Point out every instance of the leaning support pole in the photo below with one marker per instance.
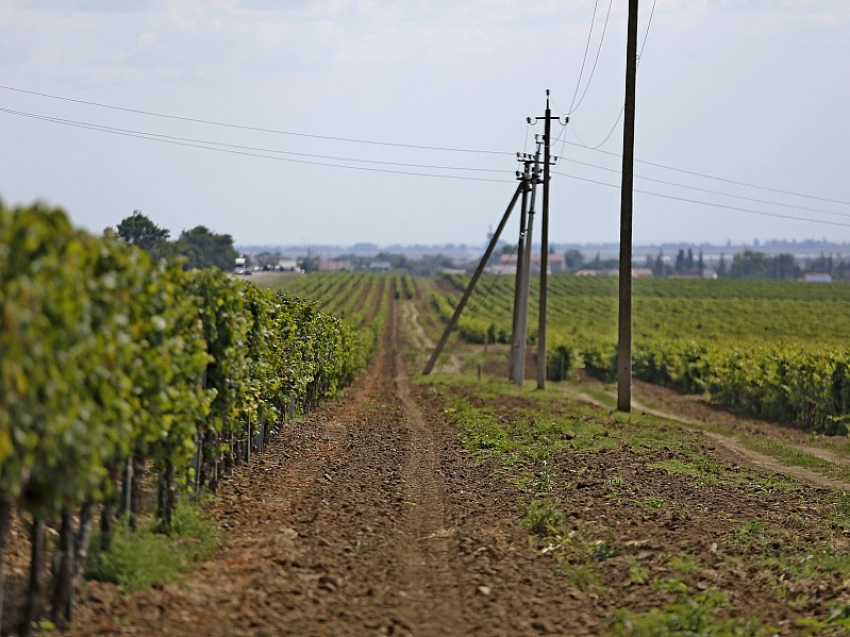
(468, 292)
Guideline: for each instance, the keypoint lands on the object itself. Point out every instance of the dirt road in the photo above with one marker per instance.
(364, 519)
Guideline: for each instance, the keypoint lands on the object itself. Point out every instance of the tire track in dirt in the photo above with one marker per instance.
(411, 314)
(429, 558)
(366, 518)
(730, 443)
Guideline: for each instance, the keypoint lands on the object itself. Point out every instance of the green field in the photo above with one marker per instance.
(764, 348)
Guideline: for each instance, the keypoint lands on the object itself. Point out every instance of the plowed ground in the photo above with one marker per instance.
(369, 518)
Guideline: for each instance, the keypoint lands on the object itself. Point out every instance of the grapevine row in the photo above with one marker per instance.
(768, 349)
(108, 361)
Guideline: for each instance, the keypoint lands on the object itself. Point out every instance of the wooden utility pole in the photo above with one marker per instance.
(544, 251)
(624, 346)
(469, 288)
(544, 247)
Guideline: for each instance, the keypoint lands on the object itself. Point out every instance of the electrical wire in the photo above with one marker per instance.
(251, 128)
(623, 108)
(575, 106)
(721, 179)
(111, 129)
(586, 50)
(248, 153)
(709, 204)
(710, 191)
(161, 138)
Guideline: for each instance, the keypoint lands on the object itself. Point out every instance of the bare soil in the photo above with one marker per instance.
(366, 518)
(369, 518)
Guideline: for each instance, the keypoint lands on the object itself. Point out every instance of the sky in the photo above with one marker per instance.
(398, 122)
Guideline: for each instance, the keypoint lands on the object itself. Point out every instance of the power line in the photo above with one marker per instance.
(246, 153)
(393, 144)
(252, 128)
(706, 203)
(712, 192)
(623, 108)
(252, 152)
(721, 179)
(575, 106)
(112, 129)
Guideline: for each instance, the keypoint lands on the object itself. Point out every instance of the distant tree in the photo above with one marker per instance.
(205, 249)
(430, 264)
(599, 263)
(750, 265)
(659, 268)
(495, 258)
(721, 267)
(681, 265)
(822, 265)
(140, 231)
(309, 263)
(573, 259)
(689, 262)
(399, 261)
(785, 267)
(701, 264)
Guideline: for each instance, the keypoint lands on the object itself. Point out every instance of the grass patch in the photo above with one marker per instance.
(685, 564)
(139, 559)
(793, 456)
(543, 518)
(650, 502)
(690, 616)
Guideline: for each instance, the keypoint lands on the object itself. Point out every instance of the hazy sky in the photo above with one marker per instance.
(752, 91)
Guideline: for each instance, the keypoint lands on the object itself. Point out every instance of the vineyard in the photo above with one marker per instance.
(458, 505)
(110, 364)
(769, 349)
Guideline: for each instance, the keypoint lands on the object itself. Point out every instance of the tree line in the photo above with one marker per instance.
(196, 248)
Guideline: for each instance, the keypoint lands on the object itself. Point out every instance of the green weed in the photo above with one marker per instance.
(685, 564)
(136, 560)
(543, 518)
(689, 617)
(650, 502)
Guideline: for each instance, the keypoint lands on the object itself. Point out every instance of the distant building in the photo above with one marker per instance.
(641, 273)
(817, 278)
(556, 262)
(335, 266)
(380, 266)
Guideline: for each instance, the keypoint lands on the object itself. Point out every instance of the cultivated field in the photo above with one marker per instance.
(459, 504)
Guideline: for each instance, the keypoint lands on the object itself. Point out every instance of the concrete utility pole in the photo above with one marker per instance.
(517, 343)
(469, 288)
(624, 346)
(520, 318)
